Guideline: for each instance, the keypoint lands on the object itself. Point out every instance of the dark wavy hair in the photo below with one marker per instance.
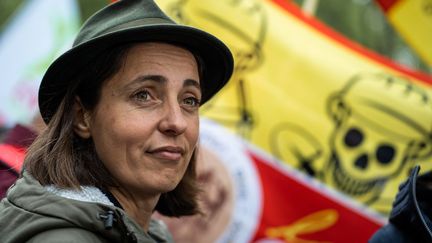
(60, 157)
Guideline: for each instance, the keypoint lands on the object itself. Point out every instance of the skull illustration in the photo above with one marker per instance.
(383, 124)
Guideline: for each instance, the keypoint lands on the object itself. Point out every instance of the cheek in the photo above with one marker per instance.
(115, 121)
(193, 133)
(108, 146)
(113, 136)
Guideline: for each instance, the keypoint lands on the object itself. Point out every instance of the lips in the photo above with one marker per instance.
(172, 153)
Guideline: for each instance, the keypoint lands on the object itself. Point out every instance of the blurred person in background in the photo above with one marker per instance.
(410, 218)
(12, 151)
(121, 108)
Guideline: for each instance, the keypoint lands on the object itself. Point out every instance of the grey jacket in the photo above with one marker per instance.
(34, 213)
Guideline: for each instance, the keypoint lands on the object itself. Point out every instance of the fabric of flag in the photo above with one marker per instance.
(317, 101)
(413, 20)
(250, 197)
(32, 38)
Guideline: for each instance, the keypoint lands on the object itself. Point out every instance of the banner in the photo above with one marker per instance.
(318, 102)
(41, 30)
(413, 20)
(250, 197)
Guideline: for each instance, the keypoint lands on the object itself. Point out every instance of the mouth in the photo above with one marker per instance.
(170, 153)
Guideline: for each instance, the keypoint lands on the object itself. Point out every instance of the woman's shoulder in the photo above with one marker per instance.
(159, 231)
(70, 235)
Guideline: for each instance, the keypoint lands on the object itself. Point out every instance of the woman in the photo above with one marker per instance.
(121, 109)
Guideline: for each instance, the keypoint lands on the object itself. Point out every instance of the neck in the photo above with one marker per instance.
(136, 205)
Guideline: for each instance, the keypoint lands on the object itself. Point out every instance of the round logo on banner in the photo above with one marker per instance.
(231, 191)
(246, 206)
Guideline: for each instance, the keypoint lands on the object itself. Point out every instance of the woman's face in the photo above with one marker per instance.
(145, 125)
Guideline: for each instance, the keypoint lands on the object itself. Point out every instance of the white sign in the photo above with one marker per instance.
(34, 37)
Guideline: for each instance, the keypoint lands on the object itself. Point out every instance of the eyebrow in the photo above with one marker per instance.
(191, 82)
(154, 78)
(162, 79)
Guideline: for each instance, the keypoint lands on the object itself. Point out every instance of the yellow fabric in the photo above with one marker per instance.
(413, 20)
(296, 93)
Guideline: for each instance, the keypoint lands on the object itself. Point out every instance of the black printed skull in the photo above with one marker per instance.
(378, 131)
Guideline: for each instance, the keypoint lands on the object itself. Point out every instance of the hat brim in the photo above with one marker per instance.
(215, 55)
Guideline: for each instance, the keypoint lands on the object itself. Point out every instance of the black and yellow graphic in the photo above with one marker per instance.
(382, 127)
(245, 42)
(354, 122)
(413, 20)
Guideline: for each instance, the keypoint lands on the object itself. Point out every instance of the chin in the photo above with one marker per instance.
(169, 186)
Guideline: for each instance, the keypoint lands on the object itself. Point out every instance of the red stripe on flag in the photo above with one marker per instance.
(293, 10)
(289, 204)
(387, 4)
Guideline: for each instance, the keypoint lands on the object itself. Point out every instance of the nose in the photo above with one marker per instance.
(173, 122)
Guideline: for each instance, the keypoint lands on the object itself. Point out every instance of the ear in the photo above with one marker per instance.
(81, 123)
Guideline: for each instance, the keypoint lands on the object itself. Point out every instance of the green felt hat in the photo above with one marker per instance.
(129, 21)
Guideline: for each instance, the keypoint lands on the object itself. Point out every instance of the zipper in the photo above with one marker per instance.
(108, 219)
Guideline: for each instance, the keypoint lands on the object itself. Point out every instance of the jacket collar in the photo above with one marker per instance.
(51, 207)
(86, 194)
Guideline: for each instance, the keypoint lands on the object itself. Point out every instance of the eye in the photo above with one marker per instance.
(142, 95)
(191, 101)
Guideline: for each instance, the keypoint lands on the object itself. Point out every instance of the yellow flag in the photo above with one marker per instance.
(315, 100)
(413, 20)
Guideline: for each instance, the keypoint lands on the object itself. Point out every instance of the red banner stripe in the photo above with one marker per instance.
(293, 10)
(286, 200)
(387, 4)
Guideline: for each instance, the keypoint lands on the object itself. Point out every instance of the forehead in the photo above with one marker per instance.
(162, 52)
(157, 59)
(158, 56)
